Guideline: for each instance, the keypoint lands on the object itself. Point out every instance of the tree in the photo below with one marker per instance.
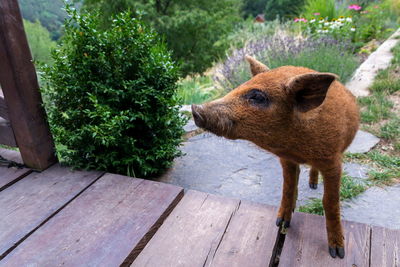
(195, 30)
(39, 41)
(50, 13)
(282, 8)
(253, 7)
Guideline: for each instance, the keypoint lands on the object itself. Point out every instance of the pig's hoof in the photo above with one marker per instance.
(313, 186)
(281, 222)
(339, 251)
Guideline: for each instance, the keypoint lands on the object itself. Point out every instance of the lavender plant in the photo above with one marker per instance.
(324, 54)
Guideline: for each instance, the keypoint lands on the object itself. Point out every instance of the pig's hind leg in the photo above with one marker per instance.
(291, 172)
(331, 203)
(313, 181)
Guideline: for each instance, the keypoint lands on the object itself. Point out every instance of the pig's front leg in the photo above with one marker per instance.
(331, 202)
(291, 172)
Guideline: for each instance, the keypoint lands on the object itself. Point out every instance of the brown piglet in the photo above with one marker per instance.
(300, 115)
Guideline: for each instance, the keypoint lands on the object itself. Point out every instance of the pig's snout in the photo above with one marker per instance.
(199, 119)
(213, 118)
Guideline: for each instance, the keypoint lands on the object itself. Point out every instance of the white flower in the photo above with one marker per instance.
(349, 19)
(353, 29)
(319, 31)
(312, 21)
(326, 23)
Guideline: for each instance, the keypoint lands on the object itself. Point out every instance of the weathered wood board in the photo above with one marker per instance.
(306, 243)
(108, 223)
(28, 203)
(208, 230)
(385, 247)
(9, 176)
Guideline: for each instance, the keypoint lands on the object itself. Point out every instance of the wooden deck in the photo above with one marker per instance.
(61, 217)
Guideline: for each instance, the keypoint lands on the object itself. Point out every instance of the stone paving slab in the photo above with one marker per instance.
(377, 206)
(238, 169)
(363, 142)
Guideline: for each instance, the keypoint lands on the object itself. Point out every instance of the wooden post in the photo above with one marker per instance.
(21, 90)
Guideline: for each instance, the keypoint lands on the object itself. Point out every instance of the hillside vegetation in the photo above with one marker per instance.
(50, 13)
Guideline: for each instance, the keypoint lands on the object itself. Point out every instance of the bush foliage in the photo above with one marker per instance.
(194, 30)
(110, 96)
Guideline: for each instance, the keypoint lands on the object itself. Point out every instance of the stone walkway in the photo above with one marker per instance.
(239, 169)
(366, 72)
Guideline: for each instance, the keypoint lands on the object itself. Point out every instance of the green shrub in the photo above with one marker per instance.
(282, 8)
(110, 96)
(374, 22)
(327, 9)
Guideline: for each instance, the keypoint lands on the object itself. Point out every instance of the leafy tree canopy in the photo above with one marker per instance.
(50, 13)
(194, 30)
(39, 40)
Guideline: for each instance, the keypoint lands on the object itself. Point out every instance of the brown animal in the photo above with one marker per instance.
(302, 116)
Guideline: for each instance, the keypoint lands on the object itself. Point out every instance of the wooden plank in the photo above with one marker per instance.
(117, 215)
(6, 134)
(249, 239)
(207, 230)
(25, 205)
(385, 247)
(9, 176)
(21, 90)
(306, 243)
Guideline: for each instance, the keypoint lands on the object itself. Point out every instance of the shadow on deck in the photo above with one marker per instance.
(80, 218)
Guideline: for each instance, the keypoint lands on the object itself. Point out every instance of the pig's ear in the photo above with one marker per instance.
(309, 90)
(256, 66)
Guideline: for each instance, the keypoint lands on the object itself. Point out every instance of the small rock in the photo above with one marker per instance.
(190, 126)
(363, 142)
(356, 170)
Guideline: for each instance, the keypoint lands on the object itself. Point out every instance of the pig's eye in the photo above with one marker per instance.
(257, 97)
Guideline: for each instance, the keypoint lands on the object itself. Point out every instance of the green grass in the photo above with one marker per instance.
(197, 90)
(9, 147)
(378, 106)
(386, 168)
(386, 161)
(349, 188)
(315, 206)
(391, 129)
(382, 177)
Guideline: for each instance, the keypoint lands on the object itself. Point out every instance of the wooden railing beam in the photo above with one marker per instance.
(21, 90)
